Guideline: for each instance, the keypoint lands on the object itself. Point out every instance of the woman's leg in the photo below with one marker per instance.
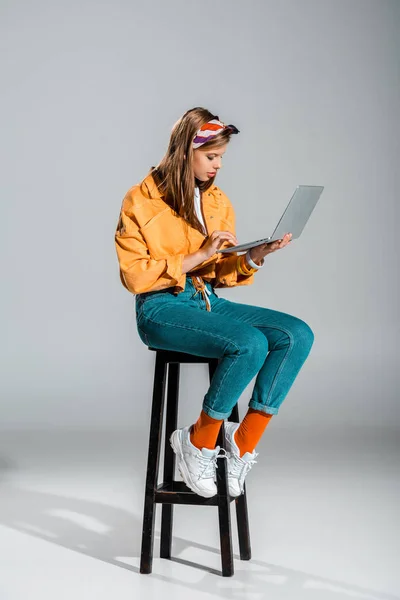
(249, 340)
(180, 323)
(250, 430)
(290, 340)
(289, 343)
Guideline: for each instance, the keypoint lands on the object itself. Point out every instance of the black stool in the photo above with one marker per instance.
(171, 492)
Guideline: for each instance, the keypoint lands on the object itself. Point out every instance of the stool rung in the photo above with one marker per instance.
(177, 492)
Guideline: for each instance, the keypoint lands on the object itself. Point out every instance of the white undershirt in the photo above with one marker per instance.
(197, 206)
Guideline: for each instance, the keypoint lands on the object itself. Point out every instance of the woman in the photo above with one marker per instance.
(170, 229)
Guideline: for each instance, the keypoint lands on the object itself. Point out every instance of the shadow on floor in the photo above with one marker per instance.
(105, 532)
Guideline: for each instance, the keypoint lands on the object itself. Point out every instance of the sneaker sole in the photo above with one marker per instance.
(176, 446)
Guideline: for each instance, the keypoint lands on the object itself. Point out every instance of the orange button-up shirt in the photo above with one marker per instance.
(152, 241)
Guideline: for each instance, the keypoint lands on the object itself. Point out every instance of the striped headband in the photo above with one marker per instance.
(210, 130)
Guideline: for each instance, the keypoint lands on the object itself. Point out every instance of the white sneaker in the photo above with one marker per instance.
(197, 467)
(238, 467)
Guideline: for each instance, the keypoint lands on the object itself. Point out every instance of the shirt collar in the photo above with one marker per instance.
(150, 190)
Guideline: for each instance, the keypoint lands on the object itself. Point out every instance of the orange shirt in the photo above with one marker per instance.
(151, 241)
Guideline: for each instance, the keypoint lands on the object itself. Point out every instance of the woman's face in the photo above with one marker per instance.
(206, 163)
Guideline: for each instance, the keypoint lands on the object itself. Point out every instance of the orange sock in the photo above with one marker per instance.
(250, 430)
(205, 431)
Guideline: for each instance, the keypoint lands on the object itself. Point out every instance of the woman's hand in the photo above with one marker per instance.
(215, 241)
(258, 252)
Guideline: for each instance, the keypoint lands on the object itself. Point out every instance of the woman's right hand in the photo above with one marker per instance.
(215, 241)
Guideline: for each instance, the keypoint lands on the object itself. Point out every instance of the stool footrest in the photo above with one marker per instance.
(177, 492)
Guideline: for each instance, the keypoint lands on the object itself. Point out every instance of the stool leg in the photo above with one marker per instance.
(224, 509)
(242, 517)
(146, 557)
(224, 512)
(212, 365)
(169, 456)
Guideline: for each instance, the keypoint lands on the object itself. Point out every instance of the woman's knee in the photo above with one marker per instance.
(253, 343)
(303, 333)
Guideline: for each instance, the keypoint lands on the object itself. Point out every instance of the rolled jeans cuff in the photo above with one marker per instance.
(270, 410)
(216, 415)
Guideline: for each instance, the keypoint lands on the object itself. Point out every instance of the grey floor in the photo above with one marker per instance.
(323, 509)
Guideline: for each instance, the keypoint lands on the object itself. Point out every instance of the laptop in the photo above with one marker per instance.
(293, 220)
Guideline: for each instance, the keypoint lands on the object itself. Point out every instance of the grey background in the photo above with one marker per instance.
(90, 92)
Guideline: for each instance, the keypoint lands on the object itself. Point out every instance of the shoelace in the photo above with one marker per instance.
(239, 468)
(209, 463)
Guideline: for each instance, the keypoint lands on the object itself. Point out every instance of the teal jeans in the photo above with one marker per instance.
(248, 340)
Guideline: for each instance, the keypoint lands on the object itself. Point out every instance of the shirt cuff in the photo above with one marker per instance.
(174, 266)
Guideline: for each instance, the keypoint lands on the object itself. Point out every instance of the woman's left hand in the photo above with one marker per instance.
(258, 252)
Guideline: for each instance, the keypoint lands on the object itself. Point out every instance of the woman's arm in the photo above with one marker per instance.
(190, 261)
(138, 271)
(208, 250)
(226, 270)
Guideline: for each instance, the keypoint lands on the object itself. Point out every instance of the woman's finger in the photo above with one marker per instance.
(226, 235)
(223, 235)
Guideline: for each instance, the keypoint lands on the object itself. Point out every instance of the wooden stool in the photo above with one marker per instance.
(171, 492)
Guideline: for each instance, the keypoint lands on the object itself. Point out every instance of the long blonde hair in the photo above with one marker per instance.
(174, 173)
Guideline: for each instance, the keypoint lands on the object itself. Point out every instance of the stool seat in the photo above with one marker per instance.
(170, 356)
(170, 492)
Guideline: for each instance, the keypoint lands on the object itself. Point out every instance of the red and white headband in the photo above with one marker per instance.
(210, 130)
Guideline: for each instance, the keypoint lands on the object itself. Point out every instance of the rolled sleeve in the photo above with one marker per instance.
(174, 266)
